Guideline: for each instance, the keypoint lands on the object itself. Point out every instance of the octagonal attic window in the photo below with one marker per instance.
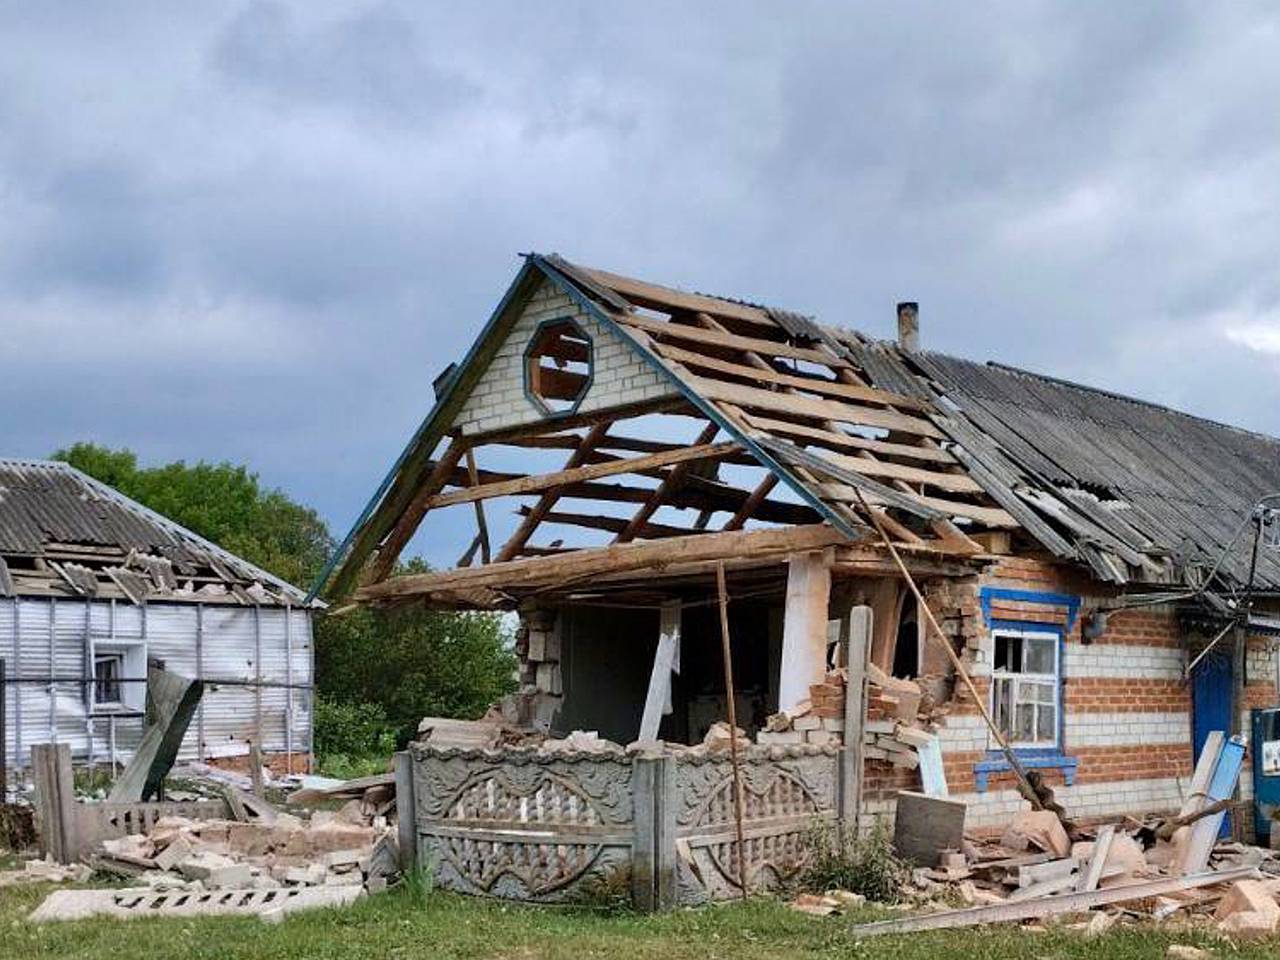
(558, 366)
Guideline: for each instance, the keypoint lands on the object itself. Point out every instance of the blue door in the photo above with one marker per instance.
(1211, 703)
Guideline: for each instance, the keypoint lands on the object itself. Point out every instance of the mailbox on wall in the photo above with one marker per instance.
(1266, 772)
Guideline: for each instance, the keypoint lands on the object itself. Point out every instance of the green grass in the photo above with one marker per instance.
(415, 924)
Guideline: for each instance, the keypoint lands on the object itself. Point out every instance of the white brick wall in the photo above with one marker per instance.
(1123, 660)
(967, 733)
(1126, 729)
(621, 375)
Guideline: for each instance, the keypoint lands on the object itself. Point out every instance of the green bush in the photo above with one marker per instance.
(864, 864)
(352, 730)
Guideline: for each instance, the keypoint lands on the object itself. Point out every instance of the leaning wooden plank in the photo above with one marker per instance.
(799, 405)
(516, 542)
(1199, 788)
(830, 388)
(406, 525)
(172, 700)
(714, 338)
(1090, 876)
(1047, 906)
(591, 471)
(665, 660)
(133, 903)
(622, 556)
(1194, 854)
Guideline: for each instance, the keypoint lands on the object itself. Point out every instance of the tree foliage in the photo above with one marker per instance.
(222, 502)
(417, 663)
(405, 665)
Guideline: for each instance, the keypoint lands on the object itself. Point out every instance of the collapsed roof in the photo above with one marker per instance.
(64, 534)
(944, 452)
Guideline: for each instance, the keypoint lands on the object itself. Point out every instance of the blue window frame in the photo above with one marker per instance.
(1026, 685)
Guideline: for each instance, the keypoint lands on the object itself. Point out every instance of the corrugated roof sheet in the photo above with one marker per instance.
(50, 511)
(1155, 479)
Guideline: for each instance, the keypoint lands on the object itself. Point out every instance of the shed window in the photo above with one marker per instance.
(558, 366)
(1026, 687)
(108, 668)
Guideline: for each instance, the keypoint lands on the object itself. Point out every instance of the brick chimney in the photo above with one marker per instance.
(909, 325)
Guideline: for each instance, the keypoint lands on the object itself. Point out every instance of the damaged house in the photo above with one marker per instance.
(95, 588)
(1101, 569)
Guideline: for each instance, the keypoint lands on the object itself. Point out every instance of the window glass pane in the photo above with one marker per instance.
(1039, 692)
(106, 675)
(1001, 705)
(1024, 721)
(1039, 655)
(1046, 724)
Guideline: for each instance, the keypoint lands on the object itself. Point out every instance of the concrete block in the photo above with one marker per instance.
(342, 858)
(236, 875)
(200, 866)
(179, 849)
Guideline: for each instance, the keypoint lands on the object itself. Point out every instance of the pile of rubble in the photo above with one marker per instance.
(898, 722)
(263, 861)
(1036, 872)
(338, 848)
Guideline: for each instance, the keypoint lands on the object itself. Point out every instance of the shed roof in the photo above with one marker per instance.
(63, 533)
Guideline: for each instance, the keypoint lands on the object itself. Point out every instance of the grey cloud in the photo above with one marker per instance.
(258, 230)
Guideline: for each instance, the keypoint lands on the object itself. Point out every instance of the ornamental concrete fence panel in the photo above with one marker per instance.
(523, 825)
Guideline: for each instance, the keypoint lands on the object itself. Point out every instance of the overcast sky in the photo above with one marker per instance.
(256, 231)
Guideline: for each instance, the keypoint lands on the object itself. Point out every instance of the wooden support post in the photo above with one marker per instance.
(55, 801)
(804, 630)
(406, 811)
(736, 764)
(665, 659)
(857, 651)
(255, 768)
(407, 525)
(482, 525)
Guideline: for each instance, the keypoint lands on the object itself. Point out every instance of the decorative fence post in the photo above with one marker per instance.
(406, 811)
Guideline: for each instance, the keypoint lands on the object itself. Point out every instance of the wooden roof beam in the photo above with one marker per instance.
(537, 482)
(615, 558)
(407, 525)
(548, 500)
(669, 485)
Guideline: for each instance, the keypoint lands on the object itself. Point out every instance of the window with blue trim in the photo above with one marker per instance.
(1026, 687)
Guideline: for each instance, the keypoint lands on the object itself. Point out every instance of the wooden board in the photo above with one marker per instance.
(831, 388)
(592, 471)
(798, 405)
(731, 341)
(843, 441)
(582, 564)
(951, 482)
